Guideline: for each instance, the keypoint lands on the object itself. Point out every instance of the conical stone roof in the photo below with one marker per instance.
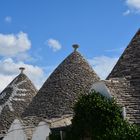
(74, 76)
(14, 99)
(128, 67)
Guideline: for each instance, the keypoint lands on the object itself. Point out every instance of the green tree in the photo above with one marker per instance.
(99, 118)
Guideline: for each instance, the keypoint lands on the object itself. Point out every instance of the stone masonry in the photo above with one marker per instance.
(128, 67)
(14, 99)
(74, 76)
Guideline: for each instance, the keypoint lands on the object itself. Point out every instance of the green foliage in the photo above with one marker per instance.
(99, 118)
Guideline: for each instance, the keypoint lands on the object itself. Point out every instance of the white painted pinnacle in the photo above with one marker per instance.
(21, 69)
(75, 46)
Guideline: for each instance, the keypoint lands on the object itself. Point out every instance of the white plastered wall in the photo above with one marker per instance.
(101, 88)
(15, 132)
(41, 132)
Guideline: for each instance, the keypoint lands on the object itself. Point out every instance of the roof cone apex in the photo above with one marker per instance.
(75, 46)
(138, 30)
(137, 34)
(128, 64)
(14, 99)
(22, 69)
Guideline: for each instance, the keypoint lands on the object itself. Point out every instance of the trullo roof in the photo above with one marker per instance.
(14, 99)
(74, 76)
(128, 67)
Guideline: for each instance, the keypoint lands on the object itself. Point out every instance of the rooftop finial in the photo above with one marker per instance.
(75, 46)
(21, 69)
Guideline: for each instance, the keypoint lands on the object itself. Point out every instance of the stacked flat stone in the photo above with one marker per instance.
(120, 90)
(128, 67)
(73, 77)
(14, 99)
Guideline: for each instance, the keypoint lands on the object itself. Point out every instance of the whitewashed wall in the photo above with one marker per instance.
(15, 132)
(41, 132)
(101, 88)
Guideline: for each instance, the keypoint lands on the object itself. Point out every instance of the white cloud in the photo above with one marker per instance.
(133, 5)
(9, 69)
(24, 57)
(13, 44)
(115, 50)
(103, 65)
(127, 12)
(8, 19)
(5, 80)
(13, 51)
(54, 44)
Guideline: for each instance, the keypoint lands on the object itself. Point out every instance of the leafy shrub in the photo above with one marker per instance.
(99, 118)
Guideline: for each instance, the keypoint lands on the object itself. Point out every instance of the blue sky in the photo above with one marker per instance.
(38, 34)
